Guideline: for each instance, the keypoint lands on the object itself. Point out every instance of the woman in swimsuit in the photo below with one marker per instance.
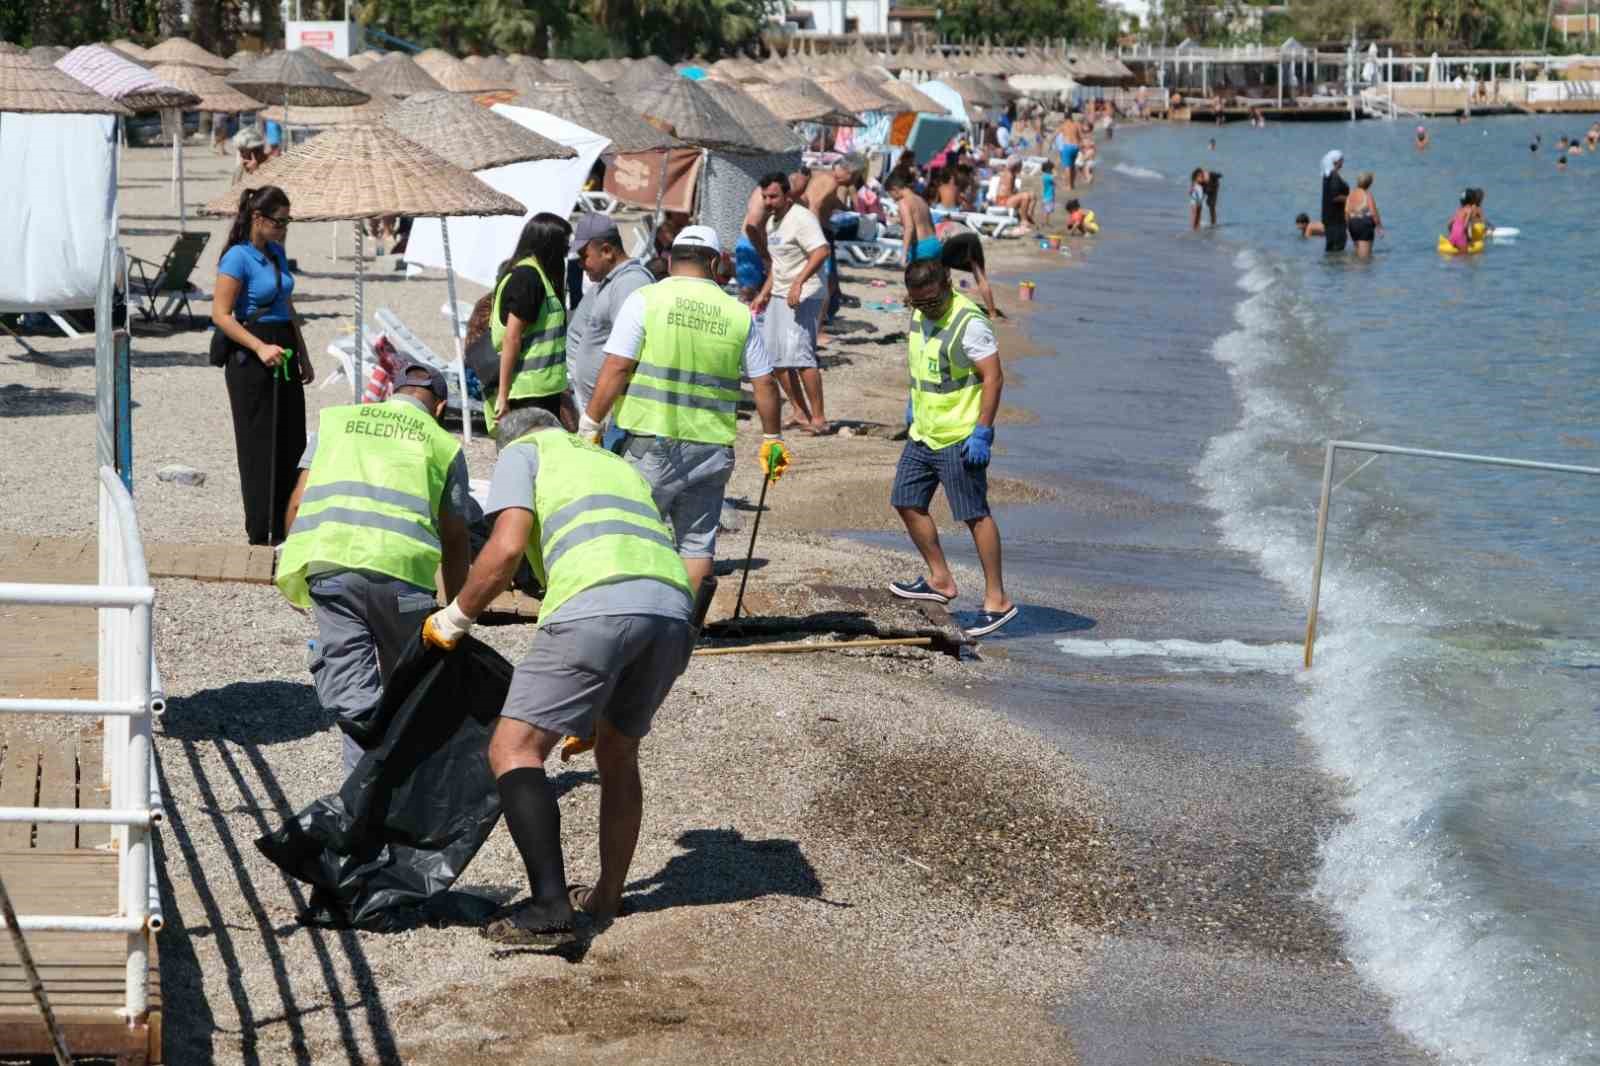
(1361, 216)
(1459, 229)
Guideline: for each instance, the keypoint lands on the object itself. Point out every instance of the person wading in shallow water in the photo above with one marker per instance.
(1334, 193)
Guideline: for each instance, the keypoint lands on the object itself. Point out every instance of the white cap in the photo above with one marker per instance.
(698, 237)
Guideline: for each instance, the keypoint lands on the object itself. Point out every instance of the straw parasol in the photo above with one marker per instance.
(911, 98)
(184, 52)
(467, 135)
(530, 73)
(28, 88)
(326, 60)
(434, 60)
(131, 49)
(9, 49)
(498, 68)
(764, 129)
(858, 93)
(363, 60)
(653, 63)
(397, 75)
(297, 79)
(569, 70)
(599, 113)
(974, 92)
(817, 106)
(215, 94)
(637, 77)
(693, 115)
(326, 117)
(472, 138)
(121, 79)
(607, 70)
(47, 54)
(369, 172)
(460, 78)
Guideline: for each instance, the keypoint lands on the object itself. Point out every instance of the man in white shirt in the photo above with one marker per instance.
(798, 249)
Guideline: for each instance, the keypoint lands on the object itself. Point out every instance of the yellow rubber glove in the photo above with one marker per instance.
(444, 629)
(775, 457)
(576, 746)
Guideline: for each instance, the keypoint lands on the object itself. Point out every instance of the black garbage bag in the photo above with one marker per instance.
(383, 851)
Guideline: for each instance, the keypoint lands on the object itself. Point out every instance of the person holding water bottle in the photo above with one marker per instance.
(264, 358)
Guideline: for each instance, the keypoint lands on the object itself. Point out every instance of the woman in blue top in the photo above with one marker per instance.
(267, 366)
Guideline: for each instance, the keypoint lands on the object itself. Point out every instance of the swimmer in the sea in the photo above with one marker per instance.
(1561, 162)
(1561, 144)
(1593, 136)
(1308, 228)
(1422, 138)
(1533, 145)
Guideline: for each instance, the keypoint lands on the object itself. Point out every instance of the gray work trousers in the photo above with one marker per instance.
(364, 622)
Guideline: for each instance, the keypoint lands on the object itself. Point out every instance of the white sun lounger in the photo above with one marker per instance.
(599, 201)
(877, 252)
(409, 344)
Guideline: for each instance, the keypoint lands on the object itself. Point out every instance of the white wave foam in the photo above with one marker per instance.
(1131, 171)
(1460, 985)
(1192, 656)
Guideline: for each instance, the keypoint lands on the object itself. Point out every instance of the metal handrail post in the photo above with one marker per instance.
(1322, 540)
(1333, 446)
(136, 856)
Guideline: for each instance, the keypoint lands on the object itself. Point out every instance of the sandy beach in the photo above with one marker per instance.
(846, 857)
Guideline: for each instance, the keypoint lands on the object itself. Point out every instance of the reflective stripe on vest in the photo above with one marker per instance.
(372, 496)
(541, 368)
(946, 393)
(595, 522)
(686, 384)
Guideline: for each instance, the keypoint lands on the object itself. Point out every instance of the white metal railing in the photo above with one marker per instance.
(1377, 450)
(128, 696)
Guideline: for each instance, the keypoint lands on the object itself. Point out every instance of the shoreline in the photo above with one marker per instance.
(860, 856)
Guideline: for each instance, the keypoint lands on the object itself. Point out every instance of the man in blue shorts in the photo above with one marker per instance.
(956, 381)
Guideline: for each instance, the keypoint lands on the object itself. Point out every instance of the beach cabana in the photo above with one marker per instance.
(58, 167)
(365, 173)
(474, 139)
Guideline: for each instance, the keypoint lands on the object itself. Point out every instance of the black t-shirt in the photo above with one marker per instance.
(1333, 187)
(523, 296)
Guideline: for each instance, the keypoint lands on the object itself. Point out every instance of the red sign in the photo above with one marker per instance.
(322, 39)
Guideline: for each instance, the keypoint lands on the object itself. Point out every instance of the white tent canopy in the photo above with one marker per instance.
(59, 173)
(480, 245)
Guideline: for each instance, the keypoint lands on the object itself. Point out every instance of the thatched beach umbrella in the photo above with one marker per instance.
(569, 70)
(433, 60)
(807, 102)
(460, 78)
(763, 129)
(911, 98)
(363, 60)
(326, 60)
(370, 172)
(634, 78)
(530, 74)
(472, 138)
(327, 117)
(184, 52)
(397, 75)
(216, 95)
(858, 93)
(9, 49)
(498, 68)
(131, 49)
(28, 88)
(689, 111)
(599, 113)
(295, 79)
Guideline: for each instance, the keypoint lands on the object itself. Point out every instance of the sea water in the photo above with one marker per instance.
(1455, 682)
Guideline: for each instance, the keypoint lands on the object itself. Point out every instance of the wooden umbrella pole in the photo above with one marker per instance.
(58, 1043)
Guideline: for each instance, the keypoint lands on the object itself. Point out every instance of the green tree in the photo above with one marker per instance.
(1026, 21)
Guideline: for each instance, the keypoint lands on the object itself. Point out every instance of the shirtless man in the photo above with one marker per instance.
(1010, 193)
(1069, 139)
(917, 235)
(946, 190)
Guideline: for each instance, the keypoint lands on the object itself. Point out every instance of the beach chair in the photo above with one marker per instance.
(409, 344)
(877, 252)
(163, 289)
(599, 201)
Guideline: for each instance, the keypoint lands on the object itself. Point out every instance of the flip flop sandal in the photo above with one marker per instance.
(918, 590)
(506, 931)
(989, 621)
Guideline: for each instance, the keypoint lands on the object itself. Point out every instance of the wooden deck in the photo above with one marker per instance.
(60, 869)
(197, 562)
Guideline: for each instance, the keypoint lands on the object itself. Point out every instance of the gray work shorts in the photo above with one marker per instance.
(687, 479)
(619, 667)
(364, 622)
(790, 333)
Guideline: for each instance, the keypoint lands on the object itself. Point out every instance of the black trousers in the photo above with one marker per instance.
(269, 433)
(1334, 236)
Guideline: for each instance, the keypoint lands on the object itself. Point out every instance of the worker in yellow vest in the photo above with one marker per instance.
(379, 508)
(955, 394)
(670, 381)
(528, 322)
(615, 630)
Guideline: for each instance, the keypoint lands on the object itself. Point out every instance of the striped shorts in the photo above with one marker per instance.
(922, 469)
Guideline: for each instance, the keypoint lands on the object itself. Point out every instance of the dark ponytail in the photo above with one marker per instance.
(546, 238)
(252, 202)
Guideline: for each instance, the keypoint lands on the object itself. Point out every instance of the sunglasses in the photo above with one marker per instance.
(276, 221)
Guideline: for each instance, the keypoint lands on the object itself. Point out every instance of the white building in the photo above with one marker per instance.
(829, 17)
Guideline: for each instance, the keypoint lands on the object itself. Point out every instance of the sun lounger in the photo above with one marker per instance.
(877, 252)
(409, 344)
(599, 201)
(163, 289)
